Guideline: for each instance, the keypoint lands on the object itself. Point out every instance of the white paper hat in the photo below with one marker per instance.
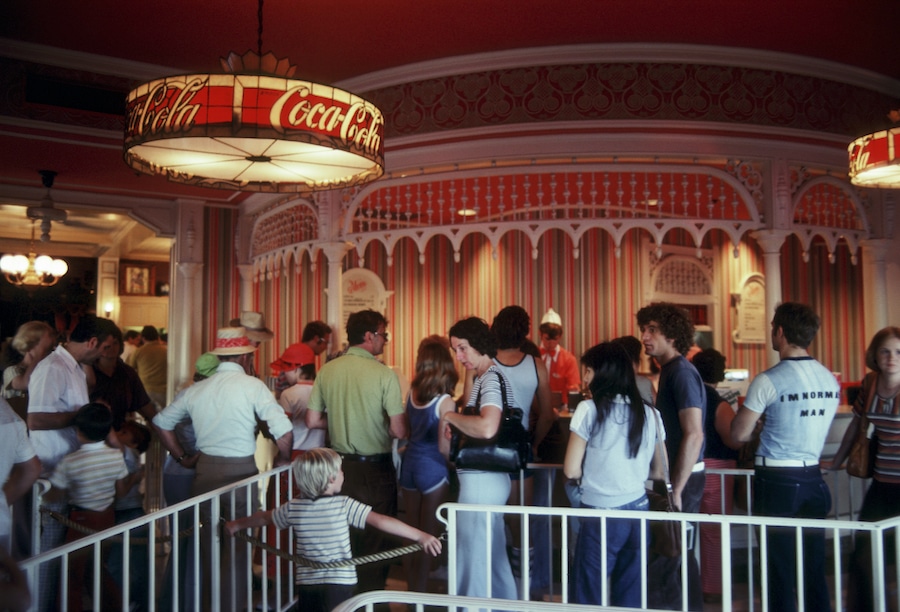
(551, 316)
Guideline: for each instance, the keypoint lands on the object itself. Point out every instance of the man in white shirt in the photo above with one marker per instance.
(224, 410)
(799, 397)
(56, 390)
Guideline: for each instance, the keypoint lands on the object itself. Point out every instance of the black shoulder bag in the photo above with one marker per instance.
(507, 451)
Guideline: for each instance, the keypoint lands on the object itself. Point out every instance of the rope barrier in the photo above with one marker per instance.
(380, 556)
(66, 522)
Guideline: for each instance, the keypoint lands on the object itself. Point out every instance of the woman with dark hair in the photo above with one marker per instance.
(424, 477)
(879, 401)
(475, 347)
(530, 383)
(611, 451)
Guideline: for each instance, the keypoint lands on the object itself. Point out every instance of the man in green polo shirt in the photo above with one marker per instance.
(357, 399)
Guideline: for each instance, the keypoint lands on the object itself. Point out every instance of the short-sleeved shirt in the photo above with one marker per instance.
(360, 394)
(610, 476)
(89, 475)
(295, 400)
(223, 410)
(799, 397)
(123, 391)
(15, 447)
(58, 384)
(884, 414)
(680, 387)
(322, 533)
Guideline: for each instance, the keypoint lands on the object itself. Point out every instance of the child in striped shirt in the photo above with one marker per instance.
(321, 520)
(91, 477)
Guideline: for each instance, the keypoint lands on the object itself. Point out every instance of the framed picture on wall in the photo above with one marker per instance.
(137, 280)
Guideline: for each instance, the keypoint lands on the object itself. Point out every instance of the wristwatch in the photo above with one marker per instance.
(182, 458)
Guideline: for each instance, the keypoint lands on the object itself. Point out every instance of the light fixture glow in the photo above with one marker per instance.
(33, 270)
(466, 212)
(874, 159)
(253, 129)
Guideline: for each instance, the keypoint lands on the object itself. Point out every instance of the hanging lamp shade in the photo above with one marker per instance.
(875, 159)
(253, 128)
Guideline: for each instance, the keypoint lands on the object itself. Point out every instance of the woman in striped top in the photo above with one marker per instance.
(878, 400)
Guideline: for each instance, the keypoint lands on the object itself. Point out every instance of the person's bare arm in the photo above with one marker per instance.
(124, 485)
(743, 424)
(50, 420)
(448, 405)
(262, 518)
(847, 441)
(481, 426)
(316, 420)
(546, 415)
(398, 426)
(21, 477)
(389, 524)
(148, 411)
(285, 444)
(724, 416)
(572, 466)
(691, 420)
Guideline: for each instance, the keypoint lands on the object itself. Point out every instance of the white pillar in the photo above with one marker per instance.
(246, 289)
(334, 310)
(874, 256)
(186, 317)
(771, 241)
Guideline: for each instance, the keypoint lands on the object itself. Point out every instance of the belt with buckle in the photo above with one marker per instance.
(367, 458)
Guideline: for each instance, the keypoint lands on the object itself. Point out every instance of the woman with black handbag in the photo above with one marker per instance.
(611, 450)
(475, 347)
(878, 403)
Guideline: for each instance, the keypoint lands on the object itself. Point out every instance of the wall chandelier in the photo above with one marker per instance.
(32, 270)
(253, 128)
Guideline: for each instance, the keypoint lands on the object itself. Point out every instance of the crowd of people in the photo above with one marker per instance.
(79, 415)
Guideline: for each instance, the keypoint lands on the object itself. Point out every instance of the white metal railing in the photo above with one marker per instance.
(744, 542)
(176, 519)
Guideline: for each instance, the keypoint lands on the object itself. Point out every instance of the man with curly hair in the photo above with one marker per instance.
(667, 334)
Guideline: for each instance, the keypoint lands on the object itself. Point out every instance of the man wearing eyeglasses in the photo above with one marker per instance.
(357, 399)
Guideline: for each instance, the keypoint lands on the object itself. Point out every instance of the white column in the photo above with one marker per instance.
(771, 241)
(874, 256)
(246, 289)
(334, 309)
(108, 288)
(187, 320)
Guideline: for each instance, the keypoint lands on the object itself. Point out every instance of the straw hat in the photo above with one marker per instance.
(232, 341)
(255, 324)
(293, 357)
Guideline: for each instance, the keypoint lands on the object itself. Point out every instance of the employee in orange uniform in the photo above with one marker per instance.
(561, 364)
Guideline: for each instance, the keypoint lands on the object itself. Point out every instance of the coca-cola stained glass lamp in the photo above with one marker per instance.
(875, 159)
(253, 128)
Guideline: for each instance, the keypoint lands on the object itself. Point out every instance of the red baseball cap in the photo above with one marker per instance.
(293, 357)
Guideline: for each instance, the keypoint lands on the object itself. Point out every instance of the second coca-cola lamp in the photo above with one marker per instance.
(875, 157)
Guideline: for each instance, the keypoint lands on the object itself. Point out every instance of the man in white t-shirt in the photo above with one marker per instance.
(799, 398)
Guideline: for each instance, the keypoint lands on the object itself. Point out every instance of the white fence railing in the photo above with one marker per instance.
(744, 542)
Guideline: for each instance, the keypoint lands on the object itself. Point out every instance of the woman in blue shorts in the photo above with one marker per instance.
(423, 474)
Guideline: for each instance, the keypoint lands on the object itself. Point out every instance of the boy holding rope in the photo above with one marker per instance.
(321, 520)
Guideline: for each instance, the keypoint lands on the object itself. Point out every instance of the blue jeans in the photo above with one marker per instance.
(798, 493)
(623, 559)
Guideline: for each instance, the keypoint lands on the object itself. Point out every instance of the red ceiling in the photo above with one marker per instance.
(338, 39)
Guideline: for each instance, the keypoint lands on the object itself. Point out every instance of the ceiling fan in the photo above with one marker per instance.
(46, 212)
